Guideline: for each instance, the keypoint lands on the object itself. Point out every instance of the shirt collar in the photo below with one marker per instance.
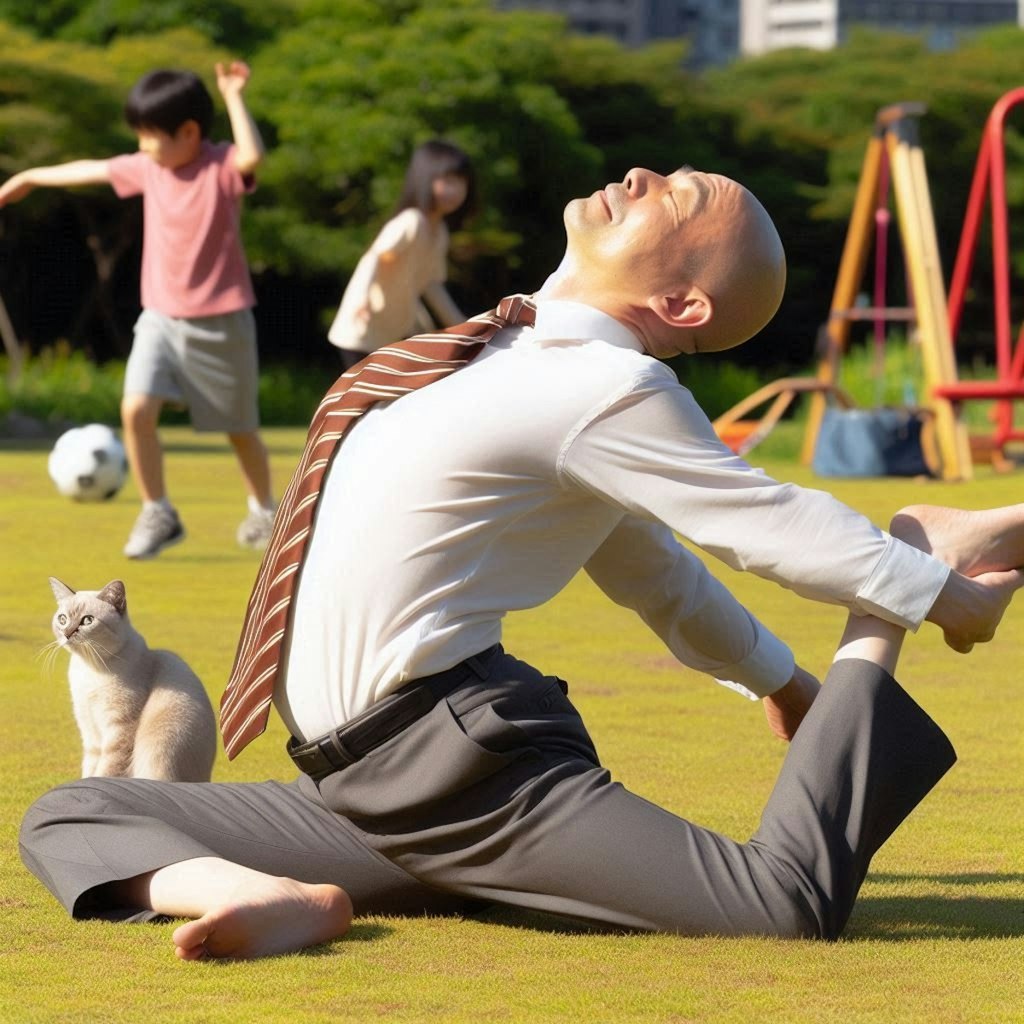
(559, 318)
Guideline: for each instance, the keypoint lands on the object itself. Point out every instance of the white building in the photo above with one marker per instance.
(822, 24)
(712, 26)
(720, 30)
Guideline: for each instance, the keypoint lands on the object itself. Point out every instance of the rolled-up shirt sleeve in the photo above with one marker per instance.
(653, 452)
(643, 567)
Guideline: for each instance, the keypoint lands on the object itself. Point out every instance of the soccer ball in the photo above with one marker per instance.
(88, 463)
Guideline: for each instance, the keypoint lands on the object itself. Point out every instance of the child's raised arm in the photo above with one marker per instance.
(231, 81)
(77, 172)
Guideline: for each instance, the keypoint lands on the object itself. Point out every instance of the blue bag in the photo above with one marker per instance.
(870, 442)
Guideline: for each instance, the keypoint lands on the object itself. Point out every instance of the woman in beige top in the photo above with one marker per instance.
(407, 263)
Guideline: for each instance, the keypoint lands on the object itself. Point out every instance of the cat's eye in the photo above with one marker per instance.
(62, 619)
(86, 620)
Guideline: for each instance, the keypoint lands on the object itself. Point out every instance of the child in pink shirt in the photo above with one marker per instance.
(195, 340)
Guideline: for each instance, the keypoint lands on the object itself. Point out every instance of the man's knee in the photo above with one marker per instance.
(69, 804)
(793, 906)
(813, 918)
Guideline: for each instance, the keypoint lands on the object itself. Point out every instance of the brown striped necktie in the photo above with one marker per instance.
(383, 376)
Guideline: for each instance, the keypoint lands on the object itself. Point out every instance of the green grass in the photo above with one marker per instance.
(937, 937)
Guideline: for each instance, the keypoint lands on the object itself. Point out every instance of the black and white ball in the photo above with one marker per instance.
(88, 463)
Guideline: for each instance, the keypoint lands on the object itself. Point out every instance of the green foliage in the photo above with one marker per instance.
(57, 101)
(290, 393)
(344, 89)
(716, 383)
(382, 85)
(243, 24)
(60, 385)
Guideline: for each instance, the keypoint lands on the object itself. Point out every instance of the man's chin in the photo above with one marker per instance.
(572, 211)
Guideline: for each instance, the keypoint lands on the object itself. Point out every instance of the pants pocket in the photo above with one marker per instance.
(398, 786)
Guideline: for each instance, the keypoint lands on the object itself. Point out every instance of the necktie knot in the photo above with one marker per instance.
(517, 309)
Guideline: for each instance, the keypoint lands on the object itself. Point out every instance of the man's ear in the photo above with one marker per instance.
(692, 308)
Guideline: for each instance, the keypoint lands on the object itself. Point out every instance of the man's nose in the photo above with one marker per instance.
(637, 181)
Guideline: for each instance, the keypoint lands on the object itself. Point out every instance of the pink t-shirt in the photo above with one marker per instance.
(193, 263)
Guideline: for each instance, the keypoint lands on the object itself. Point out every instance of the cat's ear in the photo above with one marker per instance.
(113, 593)
(60, 590)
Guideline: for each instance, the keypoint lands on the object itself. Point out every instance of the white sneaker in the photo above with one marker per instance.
(155, 529)
(254, 530)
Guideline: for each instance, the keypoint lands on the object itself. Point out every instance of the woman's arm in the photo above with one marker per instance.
(441, 305)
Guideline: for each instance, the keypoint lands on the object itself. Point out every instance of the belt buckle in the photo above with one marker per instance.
(309, 761)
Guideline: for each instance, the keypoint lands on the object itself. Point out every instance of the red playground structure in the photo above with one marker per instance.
(1008, 386)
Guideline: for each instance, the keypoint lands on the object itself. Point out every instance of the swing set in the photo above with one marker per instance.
(894, 168)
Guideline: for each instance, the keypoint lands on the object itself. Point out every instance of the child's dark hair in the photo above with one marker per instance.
(165, 100)
(431, 160)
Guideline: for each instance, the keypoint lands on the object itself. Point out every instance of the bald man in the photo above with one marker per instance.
(437, 768)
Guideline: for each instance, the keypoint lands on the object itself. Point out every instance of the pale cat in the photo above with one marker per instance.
(142, 713)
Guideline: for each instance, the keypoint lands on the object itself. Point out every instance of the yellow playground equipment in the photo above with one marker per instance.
(894, 163)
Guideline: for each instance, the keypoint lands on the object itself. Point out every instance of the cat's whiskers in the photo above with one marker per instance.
(48, 654)
(96, 651)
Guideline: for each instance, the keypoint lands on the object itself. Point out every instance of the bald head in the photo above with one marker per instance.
(730, 250)
(690, 261)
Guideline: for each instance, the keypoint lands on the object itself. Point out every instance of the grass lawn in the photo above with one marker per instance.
(938, 935)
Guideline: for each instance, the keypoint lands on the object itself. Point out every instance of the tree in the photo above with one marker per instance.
(240, 24)
(70, 266)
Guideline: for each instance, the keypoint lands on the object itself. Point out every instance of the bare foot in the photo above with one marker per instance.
(275, 916)
(785, 709)
(969, 609)
(990, 540)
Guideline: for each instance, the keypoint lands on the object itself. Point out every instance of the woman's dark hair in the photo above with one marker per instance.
(165, 100)
(431, 160)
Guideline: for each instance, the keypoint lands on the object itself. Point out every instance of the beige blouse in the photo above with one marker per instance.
(382, 301)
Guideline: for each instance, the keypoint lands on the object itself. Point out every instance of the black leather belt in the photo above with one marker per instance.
(348, 743)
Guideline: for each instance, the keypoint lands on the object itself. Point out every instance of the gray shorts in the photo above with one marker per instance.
(208, 364)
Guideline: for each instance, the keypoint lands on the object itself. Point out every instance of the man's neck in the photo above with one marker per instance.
(565, 286)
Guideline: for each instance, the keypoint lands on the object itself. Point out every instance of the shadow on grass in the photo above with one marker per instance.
(977, 878)
(899, 919)
(875, 918)
(358, 933)
(939, 916)
(537, 921)
(27, 444)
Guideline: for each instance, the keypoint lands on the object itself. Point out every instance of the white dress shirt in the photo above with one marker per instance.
(560, 447)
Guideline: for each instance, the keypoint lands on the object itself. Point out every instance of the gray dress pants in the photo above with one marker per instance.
(497, 795)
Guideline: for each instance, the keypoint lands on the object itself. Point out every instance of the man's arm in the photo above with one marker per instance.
(249, 150)
(654, 453)
(641, 566)
(69, 175)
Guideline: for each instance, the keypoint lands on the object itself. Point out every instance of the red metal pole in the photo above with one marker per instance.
(1003, 413)
(968, 239)
(990, 172)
